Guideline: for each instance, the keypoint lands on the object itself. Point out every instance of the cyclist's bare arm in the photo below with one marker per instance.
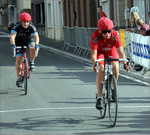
(36, 37)
(121, 54)
(93, 56)
(12, 38)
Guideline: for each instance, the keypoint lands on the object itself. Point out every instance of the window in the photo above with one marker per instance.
(40, 14)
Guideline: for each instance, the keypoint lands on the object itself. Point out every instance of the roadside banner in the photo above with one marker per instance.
(140, 49)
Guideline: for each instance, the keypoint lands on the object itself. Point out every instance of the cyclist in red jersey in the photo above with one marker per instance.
(105, 42)
(100, 11)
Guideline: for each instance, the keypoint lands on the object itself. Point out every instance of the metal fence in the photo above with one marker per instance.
(79, 38)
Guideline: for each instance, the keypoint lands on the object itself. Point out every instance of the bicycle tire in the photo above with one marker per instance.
(25, 77)
(28, 70)
(112, 100)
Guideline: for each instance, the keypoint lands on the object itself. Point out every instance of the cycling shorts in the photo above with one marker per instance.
(113, 53)
(19, 51)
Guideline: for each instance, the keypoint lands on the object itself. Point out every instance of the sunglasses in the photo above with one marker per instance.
(105, 31)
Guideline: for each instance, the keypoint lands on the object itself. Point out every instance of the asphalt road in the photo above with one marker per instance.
(61, 99)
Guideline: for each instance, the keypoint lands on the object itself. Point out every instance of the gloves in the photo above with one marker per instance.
(37, 46)
(94, 68)
(125, 66)
(13, 46)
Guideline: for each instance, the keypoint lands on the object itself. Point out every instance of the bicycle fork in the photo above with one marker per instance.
(25, 61)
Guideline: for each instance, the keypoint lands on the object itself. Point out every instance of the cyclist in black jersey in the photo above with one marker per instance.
(24, 33)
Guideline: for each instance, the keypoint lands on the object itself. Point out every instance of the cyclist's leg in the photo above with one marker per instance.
(32, 50)
(116, 70)
(100, 75)
(99, 81)
(18, 64)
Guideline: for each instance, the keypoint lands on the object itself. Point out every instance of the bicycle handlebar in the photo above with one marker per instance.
(120, 59)
(24, 47)
(110, 59)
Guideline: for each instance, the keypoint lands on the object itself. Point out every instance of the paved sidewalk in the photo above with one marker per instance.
(56, 46)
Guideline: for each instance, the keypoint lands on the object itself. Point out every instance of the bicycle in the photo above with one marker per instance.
(25, 71)
(110, 91)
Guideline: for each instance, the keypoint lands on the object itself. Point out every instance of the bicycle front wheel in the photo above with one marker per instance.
(104, 104)
(25, 77)
(112, 100)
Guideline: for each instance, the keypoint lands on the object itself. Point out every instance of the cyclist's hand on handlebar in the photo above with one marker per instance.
(13, 46)
(95, 66)
(37, 47)
(94, 69)
(127, 66)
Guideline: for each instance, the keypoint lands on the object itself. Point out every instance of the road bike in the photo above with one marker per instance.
(110, 91)
(25, 71)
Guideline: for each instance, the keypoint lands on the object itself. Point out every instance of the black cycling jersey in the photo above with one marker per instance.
(24, 35)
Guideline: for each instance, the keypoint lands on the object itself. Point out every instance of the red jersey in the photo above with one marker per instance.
(105, 45)
(102, 14)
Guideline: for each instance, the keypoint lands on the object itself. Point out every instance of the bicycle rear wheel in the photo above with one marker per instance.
(25, 77)
(112, 100)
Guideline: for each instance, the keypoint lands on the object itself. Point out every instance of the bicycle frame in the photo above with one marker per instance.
(25, 58)
(110, 87)
(108, 68)
(25, 72)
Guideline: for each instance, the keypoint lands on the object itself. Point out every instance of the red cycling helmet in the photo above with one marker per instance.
(25, 17)
(105, 23)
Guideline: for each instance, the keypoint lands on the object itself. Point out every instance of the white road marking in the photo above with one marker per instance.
(65, 108)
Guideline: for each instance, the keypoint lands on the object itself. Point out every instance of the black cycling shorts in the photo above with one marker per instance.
(19, 51)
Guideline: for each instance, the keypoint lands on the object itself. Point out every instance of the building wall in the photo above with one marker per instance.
(81, 13)
(106, 7)
(121, 16)
(116, 10)
(4, 14)
(54, 19)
